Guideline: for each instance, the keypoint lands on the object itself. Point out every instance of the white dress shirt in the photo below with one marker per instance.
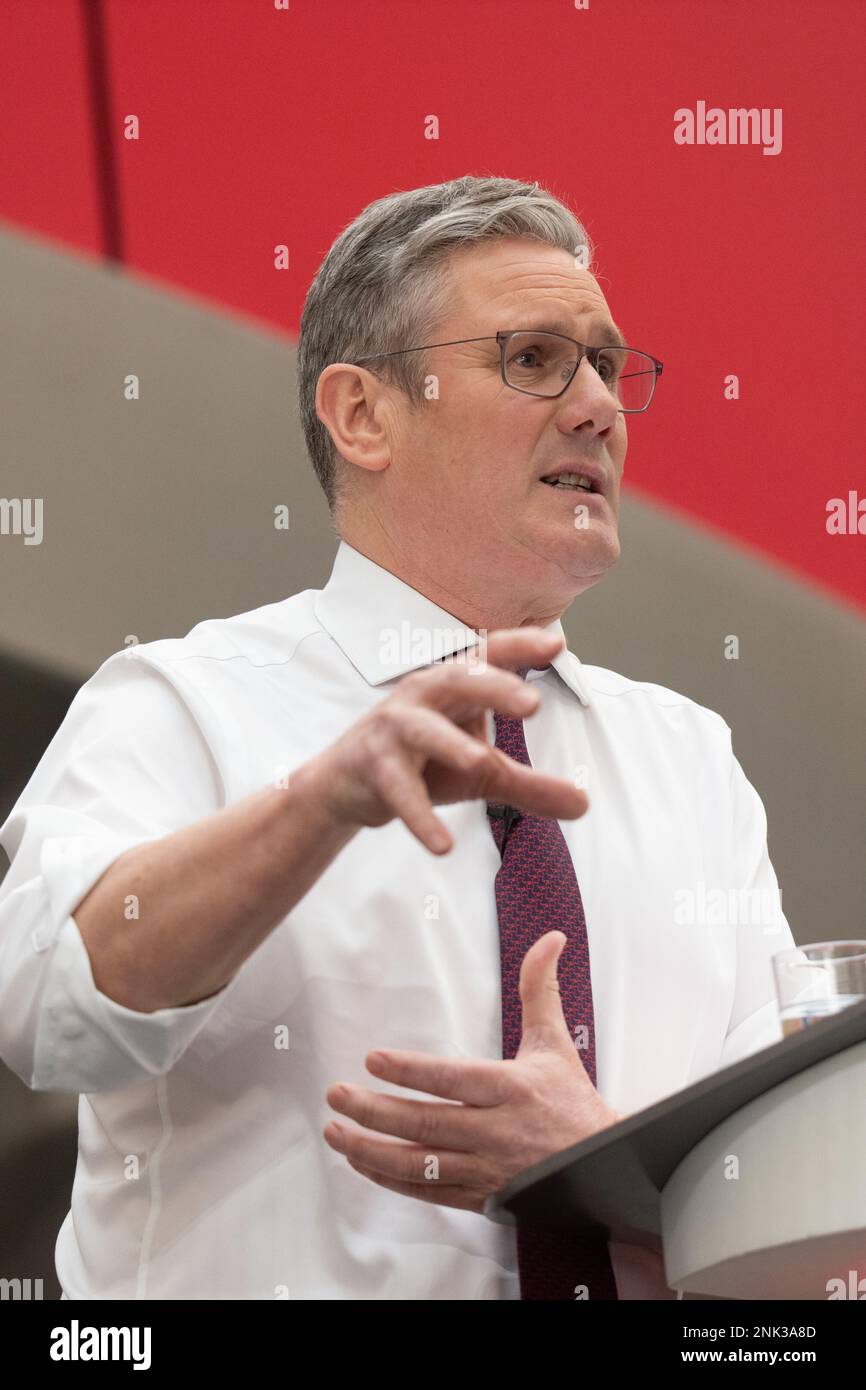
(202, 1171)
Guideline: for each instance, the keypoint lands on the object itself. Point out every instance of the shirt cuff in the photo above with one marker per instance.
(87, 1042)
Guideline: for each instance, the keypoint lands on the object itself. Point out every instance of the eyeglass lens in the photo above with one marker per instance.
(543, 364)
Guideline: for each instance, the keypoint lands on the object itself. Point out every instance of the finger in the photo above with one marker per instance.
(540, 794)
(403, 790)
(425, 731)
(519, 646)
(466, 1199)
(461, 691)
(411, 1163)
(474, 1081)
(540, 1000)
(422, 1121)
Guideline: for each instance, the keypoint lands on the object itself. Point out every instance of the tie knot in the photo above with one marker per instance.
(522, 670)
(510, 736)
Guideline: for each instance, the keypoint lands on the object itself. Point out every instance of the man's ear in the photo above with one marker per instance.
(352, 405)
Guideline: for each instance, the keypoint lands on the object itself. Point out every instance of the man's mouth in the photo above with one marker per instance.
(577, 482)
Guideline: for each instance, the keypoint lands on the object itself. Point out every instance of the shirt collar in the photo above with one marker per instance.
(386, 628)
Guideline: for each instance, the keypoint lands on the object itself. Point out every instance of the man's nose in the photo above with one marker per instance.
(587, 395)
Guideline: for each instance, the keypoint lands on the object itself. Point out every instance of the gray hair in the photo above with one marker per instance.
(384, 285)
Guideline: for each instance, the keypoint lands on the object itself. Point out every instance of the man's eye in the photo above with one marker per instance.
(534, 353)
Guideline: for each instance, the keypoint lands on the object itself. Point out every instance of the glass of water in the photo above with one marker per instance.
(816, 981)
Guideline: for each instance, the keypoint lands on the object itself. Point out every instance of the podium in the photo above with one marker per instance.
(751, 1182)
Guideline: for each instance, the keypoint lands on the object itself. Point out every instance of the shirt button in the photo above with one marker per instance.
(71, 1028)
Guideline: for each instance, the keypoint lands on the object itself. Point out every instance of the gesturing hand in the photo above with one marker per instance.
(499, 1117)
(427, 743)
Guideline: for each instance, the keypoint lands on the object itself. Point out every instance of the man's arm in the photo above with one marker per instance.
(208, 896)
(126, 806)
(211, 892)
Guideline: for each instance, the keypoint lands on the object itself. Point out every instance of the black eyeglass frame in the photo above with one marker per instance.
(503, 338)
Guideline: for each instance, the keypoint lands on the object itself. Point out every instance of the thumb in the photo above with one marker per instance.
(544, 1022)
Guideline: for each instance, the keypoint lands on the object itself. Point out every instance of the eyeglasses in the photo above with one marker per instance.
(543, 364)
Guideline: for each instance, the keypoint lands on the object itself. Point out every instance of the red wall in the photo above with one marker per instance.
(261, 126)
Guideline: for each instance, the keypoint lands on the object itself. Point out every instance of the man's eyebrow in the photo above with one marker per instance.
(607, 334)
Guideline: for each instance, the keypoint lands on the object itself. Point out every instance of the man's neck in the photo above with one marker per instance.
(479, 615)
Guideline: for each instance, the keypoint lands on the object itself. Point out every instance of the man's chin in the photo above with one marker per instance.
(585, 554)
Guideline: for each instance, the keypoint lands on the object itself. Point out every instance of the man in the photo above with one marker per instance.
(288, 896)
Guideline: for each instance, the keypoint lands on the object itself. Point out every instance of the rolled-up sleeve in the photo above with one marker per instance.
(762, 928)
(129, 764)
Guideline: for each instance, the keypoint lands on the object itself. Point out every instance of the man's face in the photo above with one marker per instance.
(467, 467)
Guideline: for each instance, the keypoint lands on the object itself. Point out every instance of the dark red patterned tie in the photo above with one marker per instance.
(537, 892)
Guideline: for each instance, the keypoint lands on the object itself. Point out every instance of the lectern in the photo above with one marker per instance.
(751, 1182)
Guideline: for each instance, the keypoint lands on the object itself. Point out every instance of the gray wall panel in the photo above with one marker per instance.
(159, 513)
